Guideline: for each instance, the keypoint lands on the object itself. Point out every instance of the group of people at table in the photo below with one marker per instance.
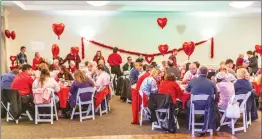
(169, 78)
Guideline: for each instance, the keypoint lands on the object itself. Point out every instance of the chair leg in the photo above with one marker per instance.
(244, 121)
(233, 126)
(93, 110)
(190, 118)
(7, 114)
(36, 115)
(29, 116)
(56, 115)
(100, 110)
(80, 112)
(73, 113)
(193, 124)
(221, 121)
(106, 106)
(52, 114)
(141, 115)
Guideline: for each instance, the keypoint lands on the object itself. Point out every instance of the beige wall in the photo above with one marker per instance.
(137, 32)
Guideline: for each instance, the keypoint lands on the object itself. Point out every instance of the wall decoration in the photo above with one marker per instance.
(162, 22)
(13, 35)
(58, 29)
(163, 49)
(55, 50)
(7, 33)
(83, 48)
(149, 56)
(259, 49)
(189, 48)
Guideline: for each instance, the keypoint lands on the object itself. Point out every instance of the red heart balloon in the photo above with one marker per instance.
(55, 50)
(13, 58)
(163, 49)
(13, 35)
(259, 49)
(58, 29)
(189, 48)
(162, 22)
(75, 50)
(149, 58)
(7, 33)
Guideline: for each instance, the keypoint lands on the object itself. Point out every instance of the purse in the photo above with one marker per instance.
(233, 110)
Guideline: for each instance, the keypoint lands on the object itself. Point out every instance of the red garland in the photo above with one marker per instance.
(83, 47)
(148, 55)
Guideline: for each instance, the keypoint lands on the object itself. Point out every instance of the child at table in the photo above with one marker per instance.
(65, 74)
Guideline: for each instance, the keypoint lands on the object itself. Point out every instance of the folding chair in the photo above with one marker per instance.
(112, 84)
(52, 106)
(79, 103)
(9, 116)
(159, 120)
(143, 110)
(193, 112)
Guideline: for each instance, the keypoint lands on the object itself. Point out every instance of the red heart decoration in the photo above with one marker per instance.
(259, 49)
(149, 58)
(189, 48)
(13, 58)
(58, 29)
(75, 50)
(161, 22)
(55, 50)
(13, 35)
(163, 49)
(7, 33)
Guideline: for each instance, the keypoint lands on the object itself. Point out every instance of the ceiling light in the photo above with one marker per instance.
(240, 4)
(97, 3)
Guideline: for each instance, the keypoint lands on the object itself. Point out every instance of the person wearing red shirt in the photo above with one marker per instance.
(72, 57)
(98, 57)
(37, 60)
(23, 83)
(173, 57)
(169, 86)
(114, 60)
(240, 60)
(136, 98)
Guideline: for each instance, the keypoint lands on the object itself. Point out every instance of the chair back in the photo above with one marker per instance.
(198, 97)
(85, 90)
(244, 98)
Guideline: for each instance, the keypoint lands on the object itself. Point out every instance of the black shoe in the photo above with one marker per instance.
(200, 134)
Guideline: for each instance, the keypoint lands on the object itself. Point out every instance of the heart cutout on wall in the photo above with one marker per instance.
(13, 58)
(149, 58)
(163, 49)
(181, 29)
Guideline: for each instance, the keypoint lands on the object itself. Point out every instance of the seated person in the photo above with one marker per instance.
(102, 62)
(225, 88)
(7, 79)
(230, 65)
(53, 72)
(102, 78)
(184, 69)
(91, 70)
(85, 68)
(39, 68)
(172, 69)
(149, 84)
(23, 83)
(64, 74)
(129, 65)
(191, 73)
(164, 66)
(81, 81)
(45, 81)
(56, 64)
(134, 73)
(197, 64)
(72, 67)
(243, 86)
(169, 86)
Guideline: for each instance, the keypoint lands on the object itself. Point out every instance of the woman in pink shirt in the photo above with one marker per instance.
(102, 78)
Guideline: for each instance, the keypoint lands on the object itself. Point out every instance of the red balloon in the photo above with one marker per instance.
(75, 50)
(259, 49)
(13, 58)
(149, 58)
(189, 48)
(7, 33)
(55, 50)
(13, 35)
(58, 29)
(163, 49)
(161, 22)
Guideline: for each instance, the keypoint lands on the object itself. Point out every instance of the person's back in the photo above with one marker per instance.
(48, 83)
(7, 79)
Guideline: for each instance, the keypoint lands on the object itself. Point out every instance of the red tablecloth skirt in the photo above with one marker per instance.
(63, 96)
(257, 88)
(184, 98)
(136, 102)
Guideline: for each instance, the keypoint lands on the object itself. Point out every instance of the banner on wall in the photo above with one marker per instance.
(37, 46)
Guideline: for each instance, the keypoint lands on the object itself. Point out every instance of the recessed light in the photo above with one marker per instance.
(98, 3)
(240, 4)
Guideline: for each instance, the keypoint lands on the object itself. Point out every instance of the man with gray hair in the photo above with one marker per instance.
(191, 73)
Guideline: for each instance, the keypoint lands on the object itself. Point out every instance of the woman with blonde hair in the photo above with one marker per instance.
(231, 77)
(149, 85)
(81, 81)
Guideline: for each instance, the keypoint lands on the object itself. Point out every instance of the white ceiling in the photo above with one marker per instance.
(136, 6)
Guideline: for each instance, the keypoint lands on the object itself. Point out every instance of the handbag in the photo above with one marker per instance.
(233, 110)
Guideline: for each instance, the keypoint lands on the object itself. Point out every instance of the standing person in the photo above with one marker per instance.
(240, 60)
(252, 62)
(129, 65)
(134, 73)
(98, 56)
(21, 57)
(173, 57)
(72, 57)
(36, 60)
(114, 61)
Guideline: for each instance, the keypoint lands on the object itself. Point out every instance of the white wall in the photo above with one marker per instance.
(137, 32)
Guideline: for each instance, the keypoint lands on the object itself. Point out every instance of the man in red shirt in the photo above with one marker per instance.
(23, 83)
(173, 57)
(72, 57)
(136, 99)
(114, 60)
